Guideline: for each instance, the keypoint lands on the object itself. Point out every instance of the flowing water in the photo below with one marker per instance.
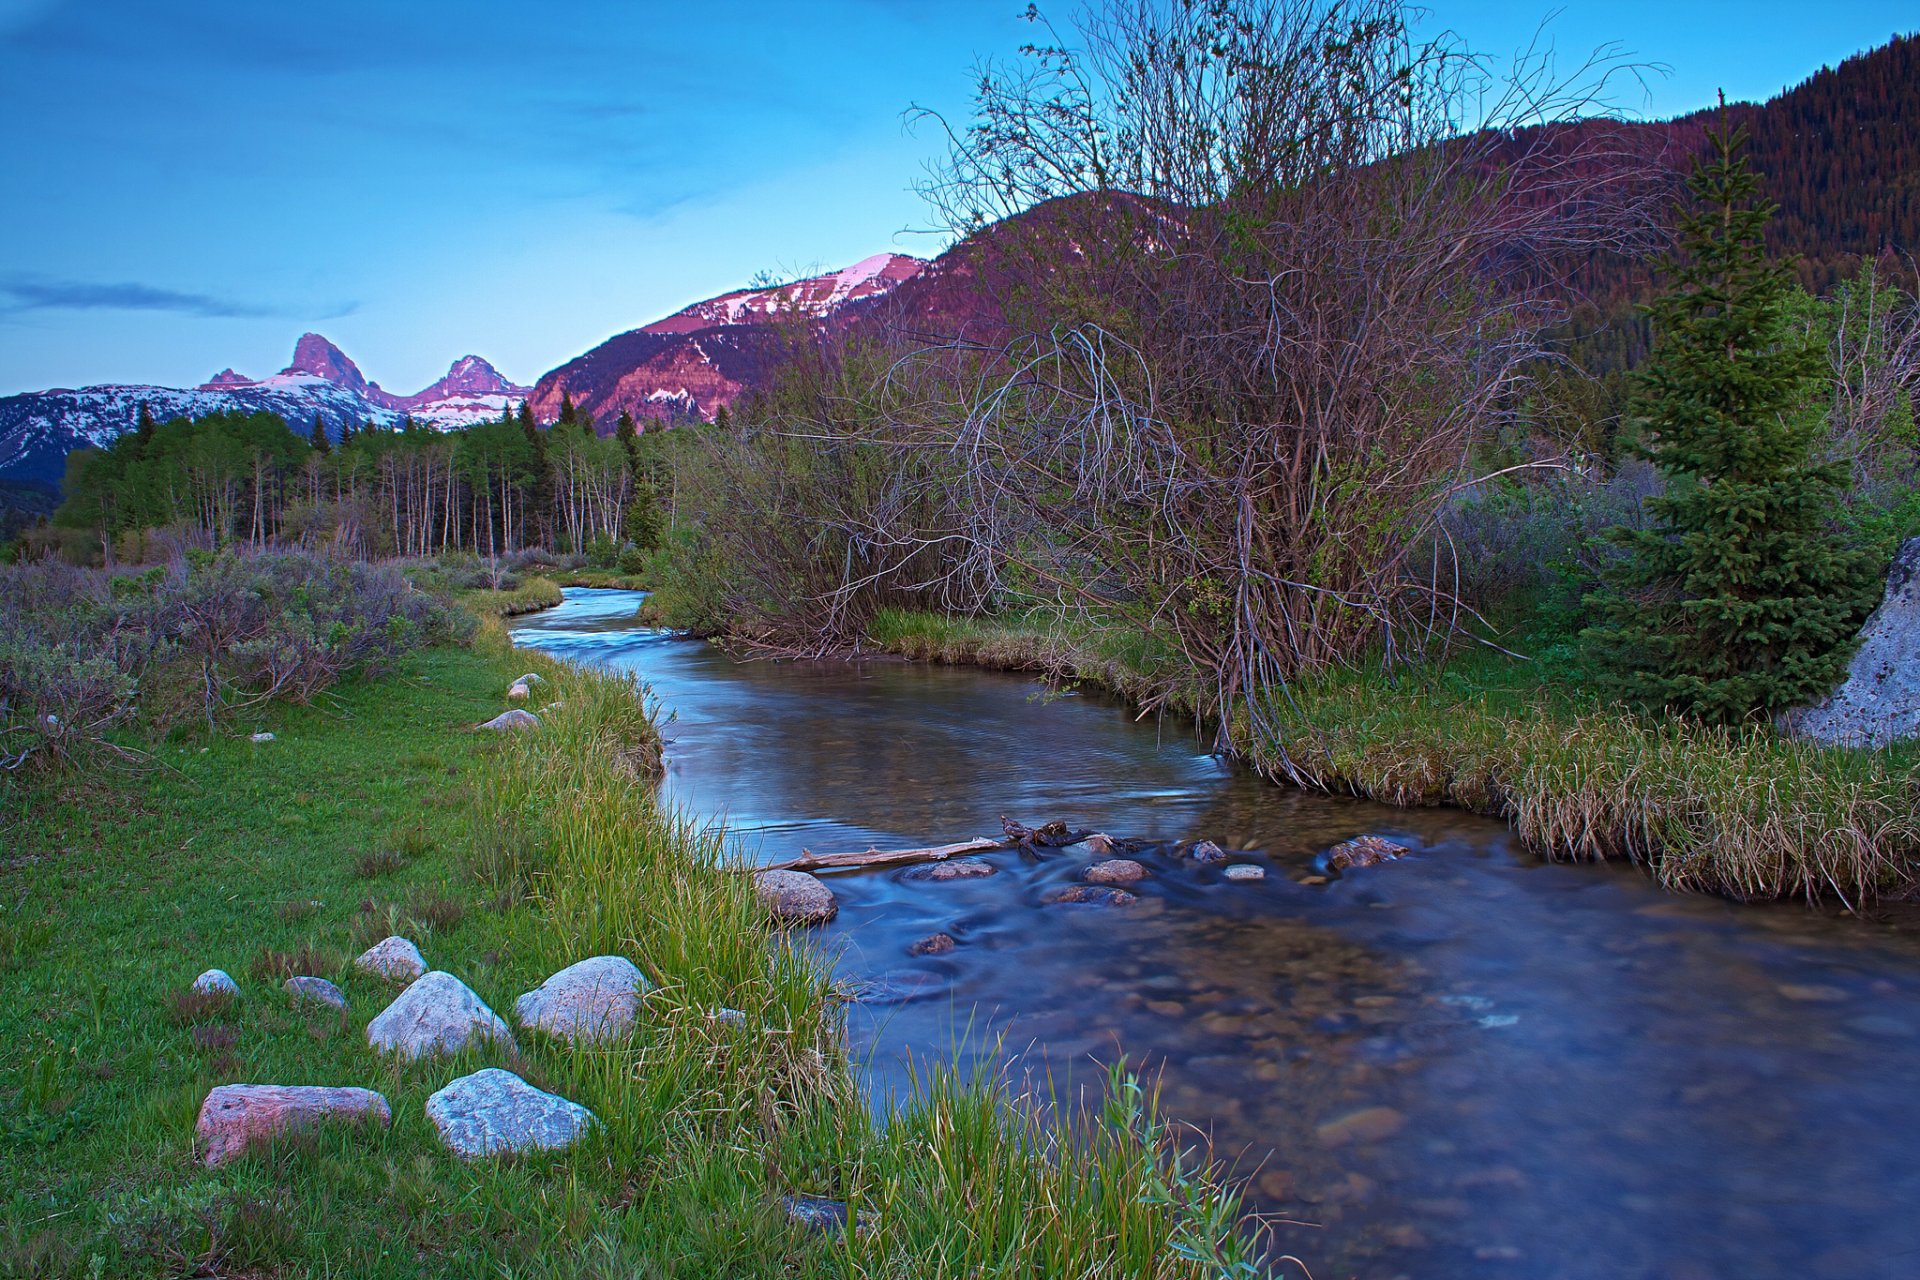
(1460, 1064)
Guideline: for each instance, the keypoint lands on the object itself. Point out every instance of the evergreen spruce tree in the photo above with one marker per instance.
(566, 408)
(1739, 599)
(318, 436)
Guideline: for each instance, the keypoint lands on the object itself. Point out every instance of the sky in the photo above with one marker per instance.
(191, 186)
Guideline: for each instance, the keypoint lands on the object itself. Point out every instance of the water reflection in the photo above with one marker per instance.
(1461, 1064)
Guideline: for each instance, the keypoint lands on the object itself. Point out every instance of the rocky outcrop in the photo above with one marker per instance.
(437, 1014)
(596, 999)
(394, 959)
(236, 1116)
(794, 897)
(1879, 702)
(493, 1112)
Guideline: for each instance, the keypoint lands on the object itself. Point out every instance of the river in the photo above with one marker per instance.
(1461, 1064)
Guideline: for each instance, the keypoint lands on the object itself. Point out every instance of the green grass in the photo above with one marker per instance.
(590, 577)
(532, 593)
(1744, 813)
(379, 810)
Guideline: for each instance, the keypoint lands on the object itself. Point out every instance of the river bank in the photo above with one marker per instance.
(1742, 813)
(378, 810)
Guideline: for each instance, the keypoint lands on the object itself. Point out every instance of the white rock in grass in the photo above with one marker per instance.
(492, 1112)
(437, 1014)
(316, 991)
(394, 959)
(216, 982)
(794, 897)
(1878, 704)
(531, 678)
(518, 693)
(261, 737)
(513, 721)
(236, 1116)
(595, 999)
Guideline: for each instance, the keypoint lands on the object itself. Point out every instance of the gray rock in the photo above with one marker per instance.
(728, 1017)
(1207, 851)
(1879, 702)
(950, 869)
(518, 693)
(514, 721)
(235, 1116)
(492, 1112)
(595, 999)
(794, 897)
(817, 1213)
(261, 737)
(1092, 895)
(216, 982)
(1245, 871)
(1116, 871)
(394, 959)
(1100, 844)
(316, 991)
(437, 1014)
(531, 678)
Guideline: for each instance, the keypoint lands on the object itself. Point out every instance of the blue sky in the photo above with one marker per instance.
(192, 185)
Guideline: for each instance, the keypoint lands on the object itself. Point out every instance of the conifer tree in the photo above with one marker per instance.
(566, 408)
(1738, 599)
(318, 436)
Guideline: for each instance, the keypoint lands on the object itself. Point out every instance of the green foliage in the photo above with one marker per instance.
(1739, 599)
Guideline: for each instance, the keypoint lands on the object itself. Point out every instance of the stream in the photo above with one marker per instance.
(1461, 1064)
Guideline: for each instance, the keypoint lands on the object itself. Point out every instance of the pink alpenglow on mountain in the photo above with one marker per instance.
(313, 354)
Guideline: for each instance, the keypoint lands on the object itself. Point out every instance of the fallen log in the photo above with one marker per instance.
(808, 861)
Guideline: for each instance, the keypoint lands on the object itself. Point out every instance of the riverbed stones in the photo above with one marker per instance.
(1363, 851)
(1092, 895)
(394, 959)
(1367, 1125)
(216, 982)
(794, 897)
(1116, 871)
(950, 869)
(1878, 703)
(495, 1112)
(437, 1014)
(595, 999)
(512, 721)
(235, 1116)
(1245, 871)
(1207, 851)
(310, 990)
(934, 944)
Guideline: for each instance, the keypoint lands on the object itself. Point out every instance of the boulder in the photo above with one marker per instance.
(1245, 871)
(1879, 702)
(1363, 851)
(437, 1014)
(518, 693)
(215, 982)
(235, 1116)
(595, 999)
(514, 721)
(492, 1112)
(1116, 871)
(1093, 895)
(794, 897)
(315, 991)
(394, 959)
(950, 869)
(1207, 851)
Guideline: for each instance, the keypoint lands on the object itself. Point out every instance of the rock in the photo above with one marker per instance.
(1207, 851)
(794, 897)
(216, 982)
(235, 1116)
(315, 991)
(1116, 871)
(1363, 851)
(1369, 1124)
(394, 959)
(595, 999)
(950, 869)
(492, 1112)
(934, 944)
(437, 1014)
(728, 1017)
(514, 721)
(518, 693)
(816, 1213)
(1100, 844)
(1879, 701)
(531, 678)
(1246, 871)
(1092, 895)
(261, 737)
(1811, 993)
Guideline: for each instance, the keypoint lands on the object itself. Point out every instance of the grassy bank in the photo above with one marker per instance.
(377, 810)
(1739, 812)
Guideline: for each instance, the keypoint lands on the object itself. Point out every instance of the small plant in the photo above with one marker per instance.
(381, 862)
(307, 960)
(190, 1008)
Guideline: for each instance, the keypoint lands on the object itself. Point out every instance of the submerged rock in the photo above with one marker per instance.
(235, 1116)
(1116, 871)
(1879, 702)
(514, 721)
(215, 982)
(794, 897)
(393, 958)
(1092, 895)
(951, 869)
(595, 999)
(492, 1112)
(1369, 1124)
(934, 944)
(1363, 851)
(1100, 844)
(315, 991)
(437, 1014)
(1245, 871)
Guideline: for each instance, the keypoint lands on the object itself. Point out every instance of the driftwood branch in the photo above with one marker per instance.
(885, 857)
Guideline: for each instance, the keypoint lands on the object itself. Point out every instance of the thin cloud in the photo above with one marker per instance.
(33, 293)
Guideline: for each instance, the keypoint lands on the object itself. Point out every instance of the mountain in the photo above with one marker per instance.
(38, 429)
(689, 364)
